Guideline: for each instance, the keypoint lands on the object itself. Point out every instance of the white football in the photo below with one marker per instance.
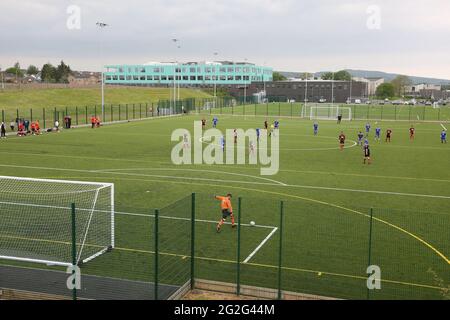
(252, 223)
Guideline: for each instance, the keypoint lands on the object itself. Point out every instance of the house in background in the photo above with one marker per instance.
(84, 78)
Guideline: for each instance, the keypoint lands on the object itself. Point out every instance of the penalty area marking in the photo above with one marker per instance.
(443, 127)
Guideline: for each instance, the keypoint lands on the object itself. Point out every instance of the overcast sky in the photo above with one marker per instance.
(410, 37)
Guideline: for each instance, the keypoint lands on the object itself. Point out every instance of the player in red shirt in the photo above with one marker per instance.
(412, 133)
(342, 140)
(388, 135)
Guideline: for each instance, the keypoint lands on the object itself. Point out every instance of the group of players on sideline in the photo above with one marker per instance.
(26, 127)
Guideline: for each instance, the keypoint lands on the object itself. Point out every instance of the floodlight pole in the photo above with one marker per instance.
(245, 83)
(3, 83)
(332, 91)
(215, 81)
(102, 25)
(175, 41)
(306, 91)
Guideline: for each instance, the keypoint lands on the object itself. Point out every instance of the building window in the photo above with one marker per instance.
(142, 78)
(185, 78)
(156, 70)
(208, 70)
(121, 78)
(238, 78)
(230, 78)
(163, 78)
(192, 70)
(170, 78)
(230, 70)
(178, 70)
(193, 78)
(108, 78)
(156, 78)
(200, 78)
(223, 70)
(128, 78)
(130, 70)
(149, 78)
(223, 78)
(135, 78)
(238, 69)
(208, 78)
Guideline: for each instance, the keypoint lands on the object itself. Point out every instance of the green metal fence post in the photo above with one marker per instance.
(17, 113)
(370, 246)
(134, 108)
(86, 114)
(74, 250)
(76, 115)
(43, 116)
(238, 258)
(126, 107)
(95, 111)
(410, 109)
(424, 112)
(120, 111)
(193, 241)
(279, 108)
(280, 251)
(156, 278)
(3, 115)
(395, 112)
(382, 110)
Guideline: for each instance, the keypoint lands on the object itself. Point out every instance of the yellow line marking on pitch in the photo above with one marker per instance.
(440, 254)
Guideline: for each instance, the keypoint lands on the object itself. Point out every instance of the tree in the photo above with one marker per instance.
(305, 75)
(399, 83)
(48, 73)
(32, 70)
(339, 76)
(15, 70)
(278, 77)
(62, 73)
(385, 90)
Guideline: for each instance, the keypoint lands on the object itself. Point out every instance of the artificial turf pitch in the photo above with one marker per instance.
(327, 198)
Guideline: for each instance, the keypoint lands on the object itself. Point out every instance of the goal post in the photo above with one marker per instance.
(327, 112)
(36, 220)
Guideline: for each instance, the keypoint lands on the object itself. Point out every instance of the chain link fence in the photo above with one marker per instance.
(295, 249)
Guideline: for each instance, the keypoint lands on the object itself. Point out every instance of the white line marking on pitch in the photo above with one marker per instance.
(443, 127)
(260, 245)
(245, 182)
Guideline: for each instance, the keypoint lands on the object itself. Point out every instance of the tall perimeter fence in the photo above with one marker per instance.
(294, 250)
(272, 107)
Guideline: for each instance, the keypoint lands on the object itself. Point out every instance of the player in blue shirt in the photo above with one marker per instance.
(360, 137)
(215, 120)
(378, 134)
(258, 134)
(444, 136)
(316, 128)
(368, 129)
(277, 124)
(366, 142)
(222, 143)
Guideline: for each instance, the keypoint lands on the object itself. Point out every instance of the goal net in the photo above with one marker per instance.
(36, 220)
(328, 113)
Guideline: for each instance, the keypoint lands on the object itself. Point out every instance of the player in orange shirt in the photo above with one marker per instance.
(93, 121)
(227, 211)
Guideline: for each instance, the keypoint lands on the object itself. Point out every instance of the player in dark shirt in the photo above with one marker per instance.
(342, 140)
(266, 125)
(367, 154)
(203, 123)
(388, 135)
(412, 133)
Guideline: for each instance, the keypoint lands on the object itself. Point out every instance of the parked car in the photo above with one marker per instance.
(322, 100)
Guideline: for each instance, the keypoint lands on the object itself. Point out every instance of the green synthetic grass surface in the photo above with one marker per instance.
(327, 199)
